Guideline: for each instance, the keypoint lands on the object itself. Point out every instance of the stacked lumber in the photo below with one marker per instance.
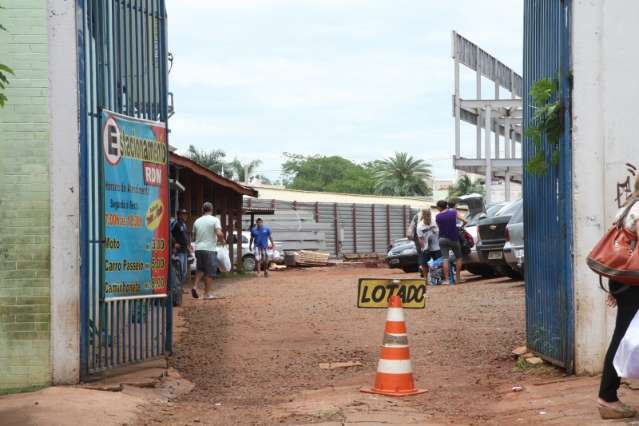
(311, 258)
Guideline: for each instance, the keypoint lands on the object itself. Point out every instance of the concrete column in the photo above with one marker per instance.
(507, 185)
(457, 109)
(478, 90)
(65, 180)
(507, 138)
(497, 154)
(489, 165)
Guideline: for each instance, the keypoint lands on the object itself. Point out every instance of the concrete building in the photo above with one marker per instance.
(36, 214)
(493, 117)
(587, 45)
(604, 158)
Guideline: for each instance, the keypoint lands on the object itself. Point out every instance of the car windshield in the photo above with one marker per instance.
(510, 209)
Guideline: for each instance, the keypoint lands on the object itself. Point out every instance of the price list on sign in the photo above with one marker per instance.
(136, 207)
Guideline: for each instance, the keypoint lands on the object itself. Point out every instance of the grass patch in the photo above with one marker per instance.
(25, 389)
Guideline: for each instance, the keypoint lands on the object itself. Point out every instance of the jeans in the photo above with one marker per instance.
(627, 306)
(183, 259)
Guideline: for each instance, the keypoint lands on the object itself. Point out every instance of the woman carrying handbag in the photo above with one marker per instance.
(625, 297)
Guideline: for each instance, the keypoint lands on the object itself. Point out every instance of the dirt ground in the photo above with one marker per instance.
(254, 356)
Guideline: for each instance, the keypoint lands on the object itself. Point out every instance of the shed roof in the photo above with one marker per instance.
(187, 163)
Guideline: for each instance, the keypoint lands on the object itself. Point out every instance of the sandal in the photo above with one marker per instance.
(194, 293)
(623, 412)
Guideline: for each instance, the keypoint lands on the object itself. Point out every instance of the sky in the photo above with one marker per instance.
(361, 79)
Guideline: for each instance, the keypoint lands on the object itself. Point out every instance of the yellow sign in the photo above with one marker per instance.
(374, 293)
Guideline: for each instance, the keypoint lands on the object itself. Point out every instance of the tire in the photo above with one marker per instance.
(482, 271)
(410, 268)
(249, 264)
(515, 275)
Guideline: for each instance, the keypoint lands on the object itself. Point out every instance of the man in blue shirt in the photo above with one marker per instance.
(261, 235)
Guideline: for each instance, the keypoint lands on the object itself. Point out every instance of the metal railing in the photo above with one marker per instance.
(122, 66)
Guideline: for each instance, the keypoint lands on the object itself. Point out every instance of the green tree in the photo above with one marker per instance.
(327, 173)
(402, 175)
(212, 160)
(4, 79)
(465, 186)
(239, 169)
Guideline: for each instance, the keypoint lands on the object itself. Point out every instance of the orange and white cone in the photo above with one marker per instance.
(395, 370)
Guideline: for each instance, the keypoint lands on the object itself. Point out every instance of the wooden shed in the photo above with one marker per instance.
(193, 185)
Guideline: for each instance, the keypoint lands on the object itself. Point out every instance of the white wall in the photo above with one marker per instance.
(605, 63)
(65, 191)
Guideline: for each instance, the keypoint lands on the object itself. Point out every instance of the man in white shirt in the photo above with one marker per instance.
(208, 233)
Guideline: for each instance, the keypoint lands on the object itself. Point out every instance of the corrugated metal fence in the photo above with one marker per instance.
(122, 58)
(547, 199)
(355, 228)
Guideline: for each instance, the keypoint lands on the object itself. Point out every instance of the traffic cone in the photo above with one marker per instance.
(394, 371)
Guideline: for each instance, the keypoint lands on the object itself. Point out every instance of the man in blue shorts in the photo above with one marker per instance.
(261, 235)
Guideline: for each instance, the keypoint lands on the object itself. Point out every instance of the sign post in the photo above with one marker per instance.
(375, 293)
(135, 207)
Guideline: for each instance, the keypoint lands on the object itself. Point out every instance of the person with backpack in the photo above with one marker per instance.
(428, 236)
(626, 299)
(411, 234)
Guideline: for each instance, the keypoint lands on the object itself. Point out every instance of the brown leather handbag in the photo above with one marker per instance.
(616, 256)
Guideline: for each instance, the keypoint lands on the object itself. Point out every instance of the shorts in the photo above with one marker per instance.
(447, 246)
(260, 253)
(434, 255)
(206, 262)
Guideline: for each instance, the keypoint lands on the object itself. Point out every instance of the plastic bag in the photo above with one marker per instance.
(223, 259)
(626, 360)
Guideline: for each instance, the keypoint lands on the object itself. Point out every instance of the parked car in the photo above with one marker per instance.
(514, 247)
(248, 259)
(472, 262)
(492, 238)
(402, 254)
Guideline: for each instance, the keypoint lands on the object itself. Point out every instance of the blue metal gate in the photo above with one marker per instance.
(122, 67)
(548, 199)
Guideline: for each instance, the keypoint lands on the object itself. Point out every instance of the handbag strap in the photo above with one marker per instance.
(619, 222)
(614, 293)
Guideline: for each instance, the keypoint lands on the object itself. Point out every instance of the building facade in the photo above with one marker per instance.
(25, 154)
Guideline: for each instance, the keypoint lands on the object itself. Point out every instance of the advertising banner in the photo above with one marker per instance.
(136, 207)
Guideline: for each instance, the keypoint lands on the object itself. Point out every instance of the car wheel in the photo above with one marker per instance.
(248, 263)
(515, 275)
(482, 271)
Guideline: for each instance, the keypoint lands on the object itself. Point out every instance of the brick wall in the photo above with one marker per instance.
(24, 199)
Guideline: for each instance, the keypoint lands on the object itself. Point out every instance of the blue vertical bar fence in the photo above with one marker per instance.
(122, 55)
(548, 198)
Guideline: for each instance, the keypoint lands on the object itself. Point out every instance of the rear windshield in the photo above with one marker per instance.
(518, 215)
(490, 212)
(510, 209)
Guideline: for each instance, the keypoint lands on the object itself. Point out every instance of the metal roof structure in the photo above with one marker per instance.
(497, 117)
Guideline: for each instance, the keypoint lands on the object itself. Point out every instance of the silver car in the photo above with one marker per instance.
(472, 262)
(514, 247)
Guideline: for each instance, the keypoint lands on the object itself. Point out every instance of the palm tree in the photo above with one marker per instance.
(240, 169)
(212, 160)
(465, 186)
(402, 175)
